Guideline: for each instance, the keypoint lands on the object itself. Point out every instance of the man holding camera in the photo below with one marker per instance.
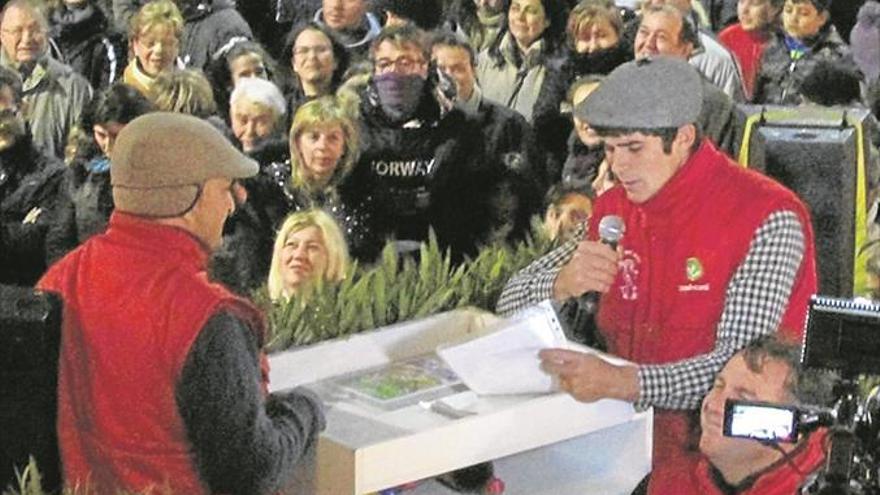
(714, 256)
(766, 370)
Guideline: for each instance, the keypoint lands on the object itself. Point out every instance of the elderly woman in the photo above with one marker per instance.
(317, 60)
(513, 71)
(256, 112)
(309, 247)
(154, 43)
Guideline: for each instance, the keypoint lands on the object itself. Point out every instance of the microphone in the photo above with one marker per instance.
(611, 229)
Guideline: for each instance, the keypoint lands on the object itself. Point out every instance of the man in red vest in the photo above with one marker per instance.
(714, 256)
(767, 370)
(161, 380)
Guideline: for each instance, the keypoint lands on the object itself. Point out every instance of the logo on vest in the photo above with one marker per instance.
(404, 168)
(693, 270)
(629, 273)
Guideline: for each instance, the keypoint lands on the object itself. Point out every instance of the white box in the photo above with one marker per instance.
(365, 449)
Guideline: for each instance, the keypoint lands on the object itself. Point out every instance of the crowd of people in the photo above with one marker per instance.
(293, 138)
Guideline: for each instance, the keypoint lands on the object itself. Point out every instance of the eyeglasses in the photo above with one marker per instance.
(404, 65)
(302, 51)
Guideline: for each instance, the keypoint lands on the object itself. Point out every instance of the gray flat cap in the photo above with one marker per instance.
(649, 93)
(161, 159)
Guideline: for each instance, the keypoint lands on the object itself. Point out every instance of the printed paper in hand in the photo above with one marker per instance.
(505, 361)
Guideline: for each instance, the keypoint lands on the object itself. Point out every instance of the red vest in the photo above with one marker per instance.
(784, 477)
(135, 299)
(681, 249)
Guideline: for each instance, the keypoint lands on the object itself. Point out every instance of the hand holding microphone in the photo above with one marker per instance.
(593, 267)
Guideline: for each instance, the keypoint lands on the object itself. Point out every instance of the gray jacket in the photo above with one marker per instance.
(718, 65)
(211, 29)
(513, 85)
(56, 97)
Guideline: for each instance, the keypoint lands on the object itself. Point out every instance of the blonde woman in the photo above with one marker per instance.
(309, 247)
(323, 145)
(184, 91)
(154, 43)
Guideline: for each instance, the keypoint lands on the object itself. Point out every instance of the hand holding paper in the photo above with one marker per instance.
(588, 377)
(505, 361)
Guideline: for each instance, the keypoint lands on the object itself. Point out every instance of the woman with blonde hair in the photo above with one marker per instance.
(184, 91)
(309, 247)
(153, 43)
(323, 145)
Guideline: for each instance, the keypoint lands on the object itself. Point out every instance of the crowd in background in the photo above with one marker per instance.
(389, 116)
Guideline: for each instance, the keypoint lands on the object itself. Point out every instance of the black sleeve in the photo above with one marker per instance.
(243, 443)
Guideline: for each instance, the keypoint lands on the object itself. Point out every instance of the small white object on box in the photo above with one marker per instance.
(368, 446)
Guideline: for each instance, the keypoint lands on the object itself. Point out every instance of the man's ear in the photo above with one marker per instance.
(686, 135)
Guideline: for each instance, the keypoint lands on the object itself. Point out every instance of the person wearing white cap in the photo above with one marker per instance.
(161, 373)
(713, 256)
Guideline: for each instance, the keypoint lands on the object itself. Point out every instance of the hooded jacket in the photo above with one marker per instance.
(212, 27)
(84, 40)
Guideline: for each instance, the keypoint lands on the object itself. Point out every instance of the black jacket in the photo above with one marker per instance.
(84, 206)
(85, 40)
(552, 126)
(212, 27)
(29, 184)
(432, 171)
(780, 78)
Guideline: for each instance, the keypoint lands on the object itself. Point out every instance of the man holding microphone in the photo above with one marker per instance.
(714, 256)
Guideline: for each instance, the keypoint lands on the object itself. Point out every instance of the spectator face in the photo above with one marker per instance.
(585, 133)
(319, 151)
(597, 35)
(406, 59)
(12, 126)
(682, 5)
(23, 35)
(456, 63)
(801, 19)
(755, 14)
(660, 34)
(640, 163)
(217, 201)
(105, 135)
(527, 21)
(251, 123)
(343, 14)
(247, 65)
(736, 381)
(303, 258)
(563, 218)
(313, 60)
(156, 48)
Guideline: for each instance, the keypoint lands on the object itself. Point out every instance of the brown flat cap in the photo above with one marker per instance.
(650, 93)
(161, 159)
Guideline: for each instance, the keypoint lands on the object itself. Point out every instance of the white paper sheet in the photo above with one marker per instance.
(505, 361)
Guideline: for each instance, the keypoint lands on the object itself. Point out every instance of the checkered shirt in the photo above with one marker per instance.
(755, 300)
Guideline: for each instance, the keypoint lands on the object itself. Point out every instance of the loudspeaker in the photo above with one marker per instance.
(821, 154)
(30, 335)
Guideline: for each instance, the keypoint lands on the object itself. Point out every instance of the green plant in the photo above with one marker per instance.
(398, 289)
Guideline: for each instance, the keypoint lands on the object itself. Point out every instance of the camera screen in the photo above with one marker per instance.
(760, 421)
